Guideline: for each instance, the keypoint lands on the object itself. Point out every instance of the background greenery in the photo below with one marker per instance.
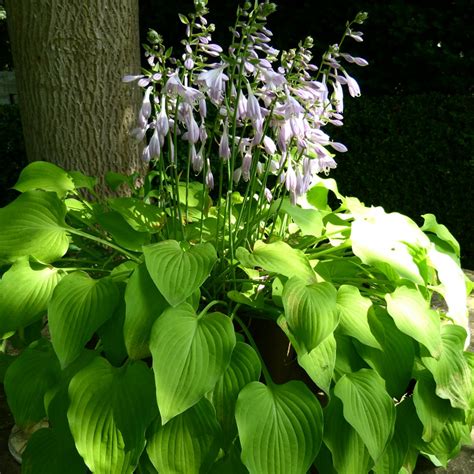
(410, 135)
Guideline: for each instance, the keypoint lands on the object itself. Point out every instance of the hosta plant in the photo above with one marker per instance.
(135, 317)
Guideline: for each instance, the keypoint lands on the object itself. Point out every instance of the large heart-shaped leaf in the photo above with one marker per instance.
(451, 372)
(176, 271)
(430, 224)
(47, 452)
(109, 413)
(45, 176)
(122, 232)
(189, 443)
(349, 454)
(310, 221)
(310, 311)
(24, 294)
(449, 442)
(382, 239)
(277, 257)
(394, 362)
(413, 316)
(141, 216)
(280, 427)
(244, 368)
(368, 408)
(27, 380)
(353, 309)
(190, 354)
(79, 306)
(319, 363)
(431, 410)
(33, 224)
(144, 303)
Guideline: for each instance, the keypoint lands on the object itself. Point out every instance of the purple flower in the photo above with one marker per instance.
(354, 89)
(224, 150)
(209, 181)
(246, 164)
(154, 146)
(214, 80)
(253, 107)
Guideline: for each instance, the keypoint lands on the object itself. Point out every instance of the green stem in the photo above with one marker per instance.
(209, 306)
(103, 242)
(85, 269)
(266, 373)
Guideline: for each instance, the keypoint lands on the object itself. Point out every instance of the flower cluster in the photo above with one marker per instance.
(260, 111)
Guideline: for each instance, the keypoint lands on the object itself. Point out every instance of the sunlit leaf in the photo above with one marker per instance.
(310, 311)
(353, 309)
(280, 427)
(79, 306)
(430, 224)
(310, 221)
(141, 216)
(320, 362)
(368, 408)
(381, 239)
(109, 413)
(244, 368)
(45, 176)
(190, 354)
(178, 271)
(413, 316)
(451, 371)
(81, 180)
(144, 303)
(33, 224)
(25, 291)
(189, 443)
(277, 257)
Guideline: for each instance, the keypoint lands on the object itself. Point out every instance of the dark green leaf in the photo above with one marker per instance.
(79, 306)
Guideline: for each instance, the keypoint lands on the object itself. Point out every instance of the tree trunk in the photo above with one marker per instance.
(69, 58)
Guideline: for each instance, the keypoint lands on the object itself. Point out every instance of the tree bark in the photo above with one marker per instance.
(69, 58)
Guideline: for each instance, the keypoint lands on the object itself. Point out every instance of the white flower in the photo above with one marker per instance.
(354, 89)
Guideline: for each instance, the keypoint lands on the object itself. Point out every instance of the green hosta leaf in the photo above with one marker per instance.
(349, 454)
(280, 427)
(81, 180)
(394, 363)
(368, 408)
(451, 371)
(141, 216)
(347, 358)
(431, 410)
(413, 316)
(190, 354)
(452, 287)
(448, 443)
(144, 303)
(353, 309)
(310, 221)
(33, 224)
(230, 463)
(178, 272)
(189, 443)
(47, 452)
(277, 257)
(24, 294)
(317, 195)
(319, 364)
(394, 455)
(79, 306)
(45, 176)
(109, 413)
(123, 234)
(111, 335)
(441, 231)
(310, 311)
(27, 380)
(244, 368)
(379, 239)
